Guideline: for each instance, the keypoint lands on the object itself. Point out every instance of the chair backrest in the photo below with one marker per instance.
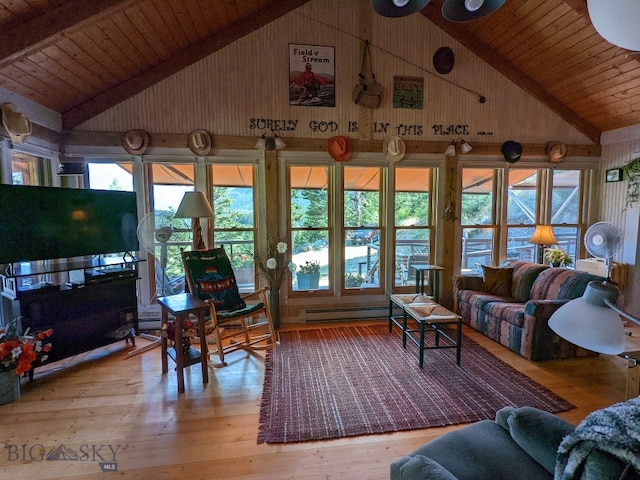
(210, 277)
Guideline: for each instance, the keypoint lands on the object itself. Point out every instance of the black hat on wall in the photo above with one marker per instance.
(511, 151)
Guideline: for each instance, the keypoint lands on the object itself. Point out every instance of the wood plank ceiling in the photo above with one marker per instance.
(81, 57)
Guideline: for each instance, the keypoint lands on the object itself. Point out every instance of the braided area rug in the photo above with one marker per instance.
(344, 381)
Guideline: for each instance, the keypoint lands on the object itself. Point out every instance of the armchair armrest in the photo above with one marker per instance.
(538, 433)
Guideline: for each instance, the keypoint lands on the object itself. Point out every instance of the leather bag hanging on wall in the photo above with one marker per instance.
(368, 92)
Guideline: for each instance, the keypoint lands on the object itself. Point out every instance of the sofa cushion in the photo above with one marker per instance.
(561, 284)
(524, 274)
(538, 433)
(498, 280)
(512, 313)
(420, 467)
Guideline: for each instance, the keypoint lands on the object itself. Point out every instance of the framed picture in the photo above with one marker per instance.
(312, 75)
(614, 175)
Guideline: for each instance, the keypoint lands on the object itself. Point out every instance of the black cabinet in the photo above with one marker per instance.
(100, 310)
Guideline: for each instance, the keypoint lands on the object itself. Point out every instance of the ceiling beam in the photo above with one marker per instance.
(102, 102)
(46, 29)
(433, 12)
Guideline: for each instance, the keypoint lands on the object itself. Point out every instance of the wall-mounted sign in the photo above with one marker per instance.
(312, 75)
(408, 92)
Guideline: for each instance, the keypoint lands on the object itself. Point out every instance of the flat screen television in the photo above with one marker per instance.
(40, 223)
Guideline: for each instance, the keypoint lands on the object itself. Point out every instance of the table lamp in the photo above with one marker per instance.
(543, 236)
(194, 205)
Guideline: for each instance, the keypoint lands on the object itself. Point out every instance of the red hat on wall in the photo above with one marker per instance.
(339, 148)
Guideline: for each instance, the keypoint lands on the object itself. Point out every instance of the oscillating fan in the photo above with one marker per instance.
(602, 240)
(149, 235)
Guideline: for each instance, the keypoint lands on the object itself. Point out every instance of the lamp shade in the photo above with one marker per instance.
(194, 205)
(616, 21)
(595, 328)
(451, 149)
(543, 235)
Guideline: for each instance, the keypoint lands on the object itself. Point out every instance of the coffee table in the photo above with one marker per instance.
(429, 317)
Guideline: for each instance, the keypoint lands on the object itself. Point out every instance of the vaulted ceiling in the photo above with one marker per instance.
(80, 57)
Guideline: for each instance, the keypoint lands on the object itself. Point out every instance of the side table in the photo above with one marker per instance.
(181, 306)
(633, 373)
(434, 279)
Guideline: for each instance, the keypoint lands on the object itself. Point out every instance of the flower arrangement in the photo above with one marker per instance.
(273, 267)
(557, 256)
(18, 352)
(189, 330)
(310, 266)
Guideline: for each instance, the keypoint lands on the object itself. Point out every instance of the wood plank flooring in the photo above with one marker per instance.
(103, 401)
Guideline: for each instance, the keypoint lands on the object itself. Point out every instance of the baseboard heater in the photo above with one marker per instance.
(311, 315)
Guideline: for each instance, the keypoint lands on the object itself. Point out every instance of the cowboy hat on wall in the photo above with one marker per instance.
(556, 152)
(18, 126)
(135, 142)
(339, 147)
(394, 148)
(511, 151)
(199, 142)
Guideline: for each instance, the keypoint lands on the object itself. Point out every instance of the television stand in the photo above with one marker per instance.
(100, 311)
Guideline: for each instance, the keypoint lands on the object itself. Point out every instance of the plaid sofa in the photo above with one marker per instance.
(520, 321)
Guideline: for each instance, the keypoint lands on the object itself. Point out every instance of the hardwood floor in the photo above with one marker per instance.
(103, 401)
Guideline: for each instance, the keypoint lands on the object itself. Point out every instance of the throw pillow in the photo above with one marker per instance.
(538, 433)
(423, 467)
(498, 280)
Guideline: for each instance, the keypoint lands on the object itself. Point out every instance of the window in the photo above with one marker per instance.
(24, 169)
(363, 236)
(168, 183)
(478, 218)
(522, 207)
(565, 209)
(234, 219)
(309, 222)
(412, 222)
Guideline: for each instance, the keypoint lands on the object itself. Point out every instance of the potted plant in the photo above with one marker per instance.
(353, 280)
(18, 352)
(558, 257)
(309, 275)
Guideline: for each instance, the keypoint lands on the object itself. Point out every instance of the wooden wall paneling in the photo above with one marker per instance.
(614, 209)
(204, 94)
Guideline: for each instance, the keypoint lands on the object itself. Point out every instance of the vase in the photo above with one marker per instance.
(274, 307)
(9, 387)
(308, 281)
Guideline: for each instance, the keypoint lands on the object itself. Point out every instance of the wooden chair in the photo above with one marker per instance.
(210, 277)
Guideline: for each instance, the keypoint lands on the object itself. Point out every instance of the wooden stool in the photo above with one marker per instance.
(181, 306)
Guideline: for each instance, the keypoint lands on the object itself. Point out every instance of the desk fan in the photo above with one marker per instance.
(149, 235)
(602, 240)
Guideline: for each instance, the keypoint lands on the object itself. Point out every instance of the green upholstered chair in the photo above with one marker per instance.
(237, 322)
